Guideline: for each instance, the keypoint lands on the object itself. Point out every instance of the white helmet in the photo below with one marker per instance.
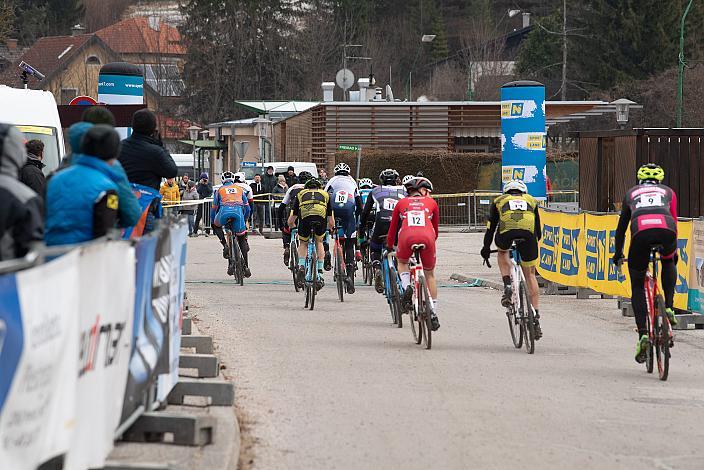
(227, 176)
(342, 168)
(365, 183)
(406, 179)
(515, 185)
(240, 176)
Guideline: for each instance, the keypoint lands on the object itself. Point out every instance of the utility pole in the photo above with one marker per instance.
(564, 51)
(680, 68)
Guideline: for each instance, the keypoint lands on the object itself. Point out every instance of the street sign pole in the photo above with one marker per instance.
(359, 160)
(353, 148)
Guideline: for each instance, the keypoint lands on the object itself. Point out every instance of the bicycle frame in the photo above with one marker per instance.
(415, 267)
(309, 257)
(517, 276)
(652, 290)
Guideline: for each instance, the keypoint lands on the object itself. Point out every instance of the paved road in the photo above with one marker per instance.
(340, 387)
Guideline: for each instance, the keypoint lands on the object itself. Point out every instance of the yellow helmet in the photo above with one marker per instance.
(652, 172)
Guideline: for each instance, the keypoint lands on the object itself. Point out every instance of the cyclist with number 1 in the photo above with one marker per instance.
(651, 209)
(416, 219)
(346, 205)
(515, 215)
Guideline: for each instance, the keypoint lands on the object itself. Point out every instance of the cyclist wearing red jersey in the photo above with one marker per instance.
(651, 209)
(415, 219)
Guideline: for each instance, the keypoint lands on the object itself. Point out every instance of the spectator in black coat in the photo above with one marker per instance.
(143, 155)
(21, 210)
(260, 203)
(205, 190)
(31, 173)
(291, 177)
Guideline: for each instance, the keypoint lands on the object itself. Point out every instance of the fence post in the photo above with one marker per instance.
(469, 212)
(474, 194)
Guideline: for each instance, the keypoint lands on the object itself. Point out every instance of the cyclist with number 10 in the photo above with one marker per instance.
(651, 209)
(416, 219)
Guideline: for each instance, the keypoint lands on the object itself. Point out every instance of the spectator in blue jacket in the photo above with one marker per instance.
(83, 200)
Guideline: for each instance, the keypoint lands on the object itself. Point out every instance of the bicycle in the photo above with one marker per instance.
(293, 257)
(367, 270)
(421, 315)
(338, 262)
(660, 336)
(311, 269)
(236, 262)
(520, 314)
(392, 286)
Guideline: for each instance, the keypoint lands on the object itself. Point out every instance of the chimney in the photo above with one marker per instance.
(154, 22)
(77, 30)
(377, 95)
(328, 88)
(11, 44)
(526, 20)
(363, 86)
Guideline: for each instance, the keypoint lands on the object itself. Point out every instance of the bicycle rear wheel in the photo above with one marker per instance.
(416, 322)
(396, 297)
(662, 338)
(314, 279)
(527, 319)
(340, 272)
(649, 355)
(426, 310)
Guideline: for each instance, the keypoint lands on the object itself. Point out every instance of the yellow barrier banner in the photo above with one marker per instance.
(576, 250)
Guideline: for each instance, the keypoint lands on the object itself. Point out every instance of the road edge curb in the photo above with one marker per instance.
(476, 281)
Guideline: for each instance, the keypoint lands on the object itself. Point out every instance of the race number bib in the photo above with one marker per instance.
(650, 200)
(517, 205)
(341, 197)
(389, 204)
(416, 219)
(231, 191)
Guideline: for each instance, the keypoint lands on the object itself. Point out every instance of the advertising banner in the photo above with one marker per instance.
(105, 313)
(523, 136)
(696, 273)
(38, 360)
(576, 250)
(121, 83)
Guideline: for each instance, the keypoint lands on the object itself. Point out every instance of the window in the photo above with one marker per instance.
(92, 60)
(67, 94)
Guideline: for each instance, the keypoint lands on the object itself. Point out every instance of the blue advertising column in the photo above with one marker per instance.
(121, 83)
(523, 135)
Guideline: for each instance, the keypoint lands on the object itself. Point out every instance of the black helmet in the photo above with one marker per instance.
(419, 182)
(313, 183)
(304, 176)
(388, 176)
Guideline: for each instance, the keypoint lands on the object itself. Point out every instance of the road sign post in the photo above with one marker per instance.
(353, 148)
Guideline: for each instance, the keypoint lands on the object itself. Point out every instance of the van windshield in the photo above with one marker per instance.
(250, 171)
(50, 139)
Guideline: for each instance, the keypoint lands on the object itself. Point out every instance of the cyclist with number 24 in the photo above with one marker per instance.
(515, 214)
(651, 209)
(416, 218)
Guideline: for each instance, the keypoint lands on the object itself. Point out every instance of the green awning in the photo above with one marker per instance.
(206, 144)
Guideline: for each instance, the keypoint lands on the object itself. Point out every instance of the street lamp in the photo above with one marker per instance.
(425, 39)
(428, 38)
(680, 67)
(193, 134)
(623, 106)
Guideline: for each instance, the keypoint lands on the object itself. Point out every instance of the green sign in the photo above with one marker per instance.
(353, 148)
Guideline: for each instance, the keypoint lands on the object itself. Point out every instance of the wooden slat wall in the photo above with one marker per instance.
(624, 166)
(587, 173)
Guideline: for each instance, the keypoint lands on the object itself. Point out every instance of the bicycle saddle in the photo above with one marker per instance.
(418, 246)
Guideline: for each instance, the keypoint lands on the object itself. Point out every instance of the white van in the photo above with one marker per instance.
(280, 168)
(35, 114)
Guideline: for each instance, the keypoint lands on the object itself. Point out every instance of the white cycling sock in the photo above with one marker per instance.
(405, 279)
(435, 305)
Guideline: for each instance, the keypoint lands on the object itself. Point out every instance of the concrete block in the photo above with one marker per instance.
(136, 466)
(219, 392)
(186, 326)
(202, 344)
(683, 321)
(552, 288)
(206, 364)
(158, 426)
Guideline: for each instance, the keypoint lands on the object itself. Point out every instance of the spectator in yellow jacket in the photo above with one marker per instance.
(170, 192)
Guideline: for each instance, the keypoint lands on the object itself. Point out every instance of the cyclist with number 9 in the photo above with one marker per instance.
(651, 209)
(415, 219)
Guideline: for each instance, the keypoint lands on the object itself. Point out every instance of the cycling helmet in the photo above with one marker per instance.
(406, 179)
(313, 183)
(342, 169)
(304, 176)
(240, 177)
(515, 185)
(227, 176)
(388, 176)
(365, 183)
(651, 172)
(417, 182)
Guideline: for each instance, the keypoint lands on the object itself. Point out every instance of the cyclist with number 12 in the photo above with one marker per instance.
(651, 209)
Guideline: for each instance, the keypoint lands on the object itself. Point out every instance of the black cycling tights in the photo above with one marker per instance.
(350, 244)
(640, 306)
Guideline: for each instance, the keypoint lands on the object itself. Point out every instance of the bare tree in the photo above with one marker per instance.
(482, 56)
(102, 13)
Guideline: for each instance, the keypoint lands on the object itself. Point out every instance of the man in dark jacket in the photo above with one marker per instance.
(205, 190)
(291, 177)
(21, 210)
(269, 180)
(143, 155)
(31, 173)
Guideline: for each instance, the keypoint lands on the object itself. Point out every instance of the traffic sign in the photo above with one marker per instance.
(353, 148)
(249, 164)
(83, 101)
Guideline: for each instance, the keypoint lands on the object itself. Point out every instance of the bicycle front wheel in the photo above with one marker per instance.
(527, 319)
(516, 326)
(293, 263)
(662, 333)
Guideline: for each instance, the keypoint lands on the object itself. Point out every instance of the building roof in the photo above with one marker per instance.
(49, 55)
(277, 110)
(143, 36)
